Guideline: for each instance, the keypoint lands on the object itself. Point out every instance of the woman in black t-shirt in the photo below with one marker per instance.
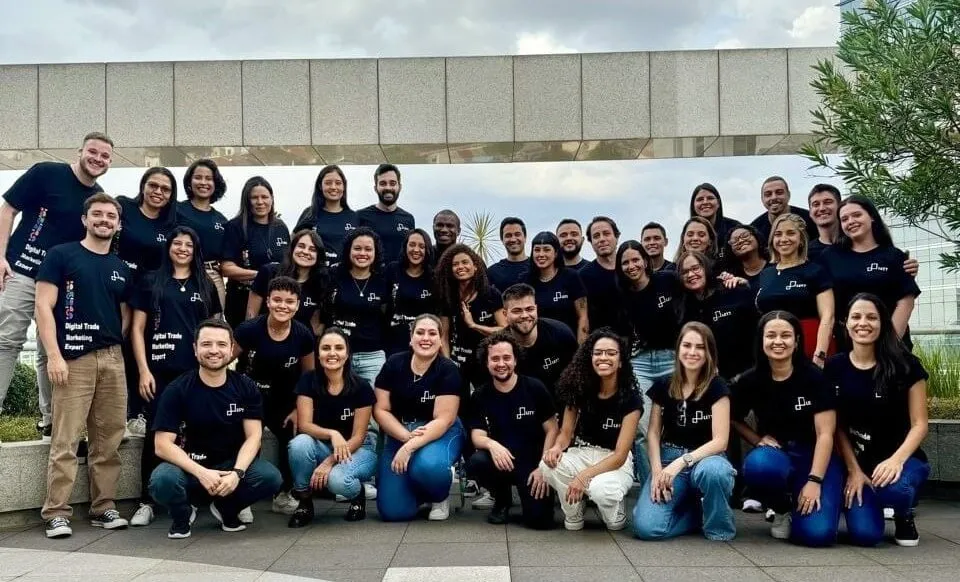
(698, 236)
(411, 288)
(417, 400)
(204, 186)
(592, 456)
(329, 213)
(882, 404)
(705, 202)
(560, 292)
(749, 253)
(334, 449)
(796, 418)
(689, 430)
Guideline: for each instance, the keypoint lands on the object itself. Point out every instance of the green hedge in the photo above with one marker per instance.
(22, 396)
(942, 363)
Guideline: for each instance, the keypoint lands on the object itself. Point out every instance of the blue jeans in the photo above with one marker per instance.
(865, 521)
(174, 488)
(346, 478)
(428, 477)
(647, 367)
(367, 364)
(701, 499)
(778, 475)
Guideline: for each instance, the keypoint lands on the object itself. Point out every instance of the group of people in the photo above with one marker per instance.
(381, 358)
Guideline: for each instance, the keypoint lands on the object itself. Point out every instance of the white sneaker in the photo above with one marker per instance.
(575, 522)
(439, 511)
(193, 514)
(143, 516)
(484, 501)
(136, 427)
(369, 491)
(888, 513)
(780, 529)
(751, 506)
(769, 515)
(620, 518)
(283, 503)
(245, 516)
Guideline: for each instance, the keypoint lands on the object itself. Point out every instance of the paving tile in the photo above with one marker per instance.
(575, 574)
(178, 568)
(350, 575)
(20, 562)
(518, 533)
(772, 553)
(683, 574)
(585, 553)
(77, 577)
(239, 576)
(687, 551)
(34, 538)
(454, 531)
(367, 532)
(835, 574)
(86, 564)
(449, 574)
(451, 554)
(948, 528)
(931, 551)
(927, 573)
(235, 551)
(151, 543)
(305, 560)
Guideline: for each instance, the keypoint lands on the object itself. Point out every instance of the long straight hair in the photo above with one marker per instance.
(881, 234)
(888, 350)
(707, 373)
(197, 271)
(760, 359)
(245, 213)
(428, 254)
(351, 381)
(711, 232)
(317, 201)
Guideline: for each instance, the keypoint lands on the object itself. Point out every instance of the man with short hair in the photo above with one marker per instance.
(599, 276)
(547, 345)
(82, 316)
(512, 269)
(221, 414)
(386, 218)
(446, 231)
(653, 238)
(775, 197)
(51, 196)
(570, 235)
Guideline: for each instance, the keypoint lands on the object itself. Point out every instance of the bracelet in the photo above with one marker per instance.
(815, 479)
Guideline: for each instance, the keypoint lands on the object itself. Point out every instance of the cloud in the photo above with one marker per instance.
(540, 43)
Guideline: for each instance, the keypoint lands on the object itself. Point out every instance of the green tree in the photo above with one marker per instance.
(891, 106)
(481, 234)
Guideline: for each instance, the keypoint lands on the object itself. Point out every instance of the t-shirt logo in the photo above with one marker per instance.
(38, 225)
(718, 315)
(548, 362)
(309, 302)
(485, 316)
(217, 226)
(373, 297)
(801, 403)
(560, 296)
(281, 242)
(348, 227)
(663, 300)
(425, 293)
(402, 228)
(117, 277)
(795, 285)
(427, 397)
(347, 413)
(610, 423)
(699, 416)
(68, 301)
(161, 238)
(234, 409)
(290, 361)
(195, 297)
(877, 267)
(522, 411)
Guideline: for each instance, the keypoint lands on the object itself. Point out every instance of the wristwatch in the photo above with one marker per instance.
(240, 473)
(688, 460)
(821, 354)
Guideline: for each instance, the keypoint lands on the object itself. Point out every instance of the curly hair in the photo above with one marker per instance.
(448, 288)
(345, 264)
(579, 383)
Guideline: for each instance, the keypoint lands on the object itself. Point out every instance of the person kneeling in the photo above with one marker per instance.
(221, 415)
(331, 403)
(602, 410)
(513, 422)
(691, 482)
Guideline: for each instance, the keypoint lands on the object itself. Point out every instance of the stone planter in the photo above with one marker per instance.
(942, 447)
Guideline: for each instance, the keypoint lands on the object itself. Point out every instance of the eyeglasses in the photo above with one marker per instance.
(611, 353)
(163, 189)
(743, 237)
(692, 270)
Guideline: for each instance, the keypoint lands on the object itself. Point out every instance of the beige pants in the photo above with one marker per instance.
(95, 396)
(607, 490)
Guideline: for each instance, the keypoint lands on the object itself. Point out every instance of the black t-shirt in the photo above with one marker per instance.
(599, 423)
(391, 226)
(583, 263)
(793, 289)
(515, 418)
(359, 309)
(557, 297)
(50, 199)
(687, 423)
(784, 410)
(210, 227)
(411, 400)
(879, 271)
(172, 319)
(763, 225)
(651, 321)
(263, 244)
(311, 293)
(464, 341)
(335, 412)
(409, 297)
(723, 227)
(91, 288)
(333, 228)
(667, 267)
(141, 240)
(876, 421)
(815, 249)
(732, 317)
(505, 273)
(274, 365)
(211, 418)
(546, 359)
(602, 300)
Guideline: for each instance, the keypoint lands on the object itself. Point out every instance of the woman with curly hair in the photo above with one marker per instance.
(592, 455)
(749, 253)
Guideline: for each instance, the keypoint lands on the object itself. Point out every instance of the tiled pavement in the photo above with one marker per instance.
(464, 548)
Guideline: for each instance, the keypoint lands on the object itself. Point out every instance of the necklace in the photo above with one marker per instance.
(359, 288)
(418, 376)
(182, 283)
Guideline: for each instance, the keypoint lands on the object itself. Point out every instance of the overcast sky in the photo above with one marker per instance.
(634, 192)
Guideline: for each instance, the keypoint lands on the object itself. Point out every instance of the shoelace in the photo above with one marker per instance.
(58, 522)
(110, 515)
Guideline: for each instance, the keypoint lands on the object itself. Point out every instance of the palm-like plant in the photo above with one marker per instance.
(480, 233)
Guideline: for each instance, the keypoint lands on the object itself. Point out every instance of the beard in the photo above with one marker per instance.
(383, 196)
(571, 254)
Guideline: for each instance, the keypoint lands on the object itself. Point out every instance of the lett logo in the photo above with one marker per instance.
(116, 276)
(802, 402)
(522, 411)
(796, 285)
(290, 361)
(234, 409)
(877, 267)
(610, 423)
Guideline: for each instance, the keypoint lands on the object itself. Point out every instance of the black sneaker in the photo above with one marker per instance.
(59, 527)
(45, 430)
(83, 449)
(303, 514)
(179, 531)
(227, 523)
(906, 534)
(358, 508)
(499, 515)
(109, 519)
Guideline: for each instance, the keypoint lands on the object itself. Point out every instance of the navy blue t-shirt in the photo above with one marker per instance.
(793, 289)
(91, 288)
(602, 301)
(211, 417)
(412, 399)
(312, 293)
(687, 423)
(505, 273)
(557, 297)
(360, 310)
(210, 227)
(50, 199)
(732, 317)
(546, 359)
(464, 341)
(409, 297)
(141, 240)
(263, 244)
(391, 226)
(599, 423)
(651, 320)
(333, 228)
(274, 365)
(877, 421)
(515, 418)
(879, 271)
(335, 412)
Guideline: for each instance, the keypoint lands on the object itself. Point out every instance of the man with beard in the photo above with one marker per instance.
(446, 231)
(653, 237)
(547, 345)
(571, 241)
(82, 315)
(513, 269)
(513, 422)
(386, 218)
(221, 414)
(599, 276)
(775, 197)
(51, 196)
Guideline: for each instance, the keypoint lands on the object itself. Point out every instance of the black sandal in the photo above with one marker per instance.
(358, 508)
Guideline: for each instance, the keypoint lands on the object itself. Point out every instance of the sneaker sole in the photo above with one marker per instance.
(617, 526)
(907, 543)
(779, 536)
(60, 532)
(572, 525)
(109, 525)
(216, 515)
(178, 536)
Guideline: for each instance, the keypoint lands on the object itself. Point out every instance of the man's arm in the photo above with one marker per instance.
(46, 300)
(7, 214)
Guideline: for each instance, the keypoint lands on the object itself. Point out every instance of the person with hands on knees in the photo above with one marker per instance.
(513, 422)
(592, 457)
(691, 482)
(796, 418)
(220, 415)
(882, 405)
(417, 400)
(334, 450)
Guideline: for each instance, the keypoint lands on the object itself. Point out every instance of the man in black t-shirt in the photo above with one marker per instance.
(50, 196)
(512, 269)
(570, 234)
(219, 413)
(599, 276)
(446, 231)
(653, 237)
(775, 197)
(386, 218)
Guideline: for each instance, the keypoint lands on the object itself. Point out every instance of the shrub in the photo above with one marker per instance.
(942, 363)
(22, 396)
(944, 408)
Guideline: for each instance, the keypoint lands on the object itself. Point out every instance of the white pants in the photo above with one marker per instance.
(607, 490)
